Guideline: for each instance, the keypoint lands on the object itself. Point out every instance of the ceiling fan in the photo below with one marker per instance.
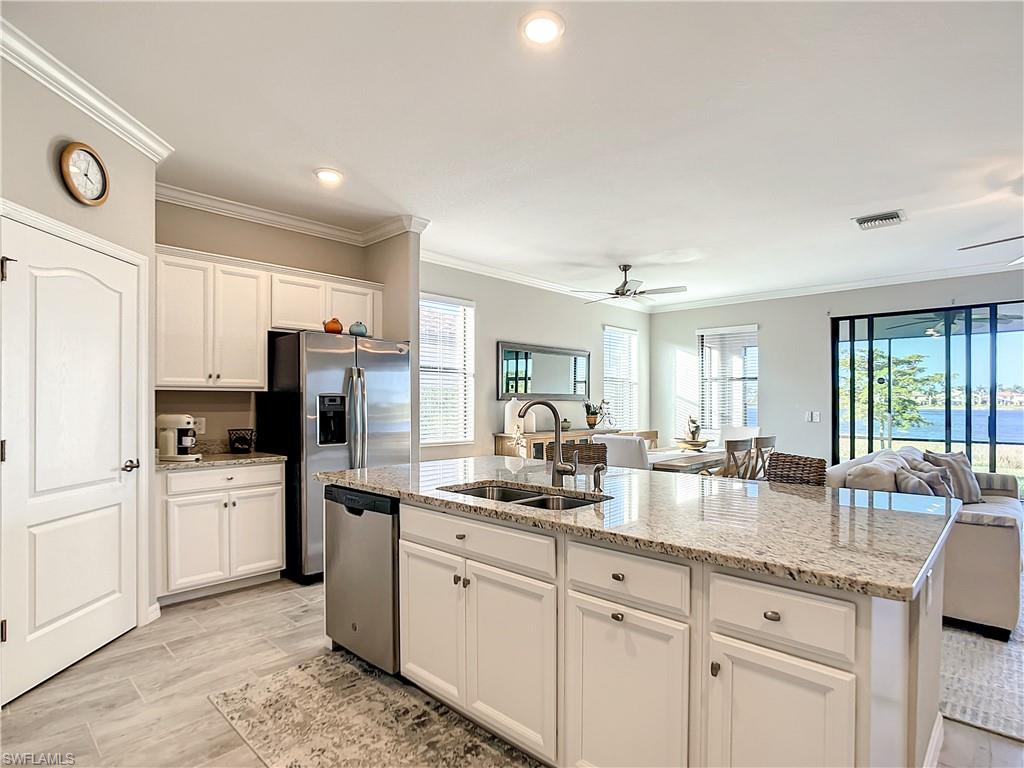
(936, 322)
(1014, 263)
(630, 289)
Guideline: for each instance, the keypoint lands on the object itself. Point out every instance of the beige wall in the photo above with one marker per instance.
(510, 311)
(36, 125)
(395, 263)
(794, 350)
(201, 231)
(222, 410)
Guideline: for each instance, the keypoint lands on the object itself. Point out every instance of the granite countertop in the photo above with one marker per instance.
(220, 460)
(874, 543)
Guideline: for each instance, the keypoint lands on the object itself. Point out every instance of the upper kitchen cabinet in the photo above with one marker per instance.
(184, 322)
(213, 314)
(303, 303)
(211, 325)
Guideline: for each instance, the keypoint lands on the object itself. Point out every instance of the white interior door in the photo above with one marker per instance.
(240, 328)
(70, 325)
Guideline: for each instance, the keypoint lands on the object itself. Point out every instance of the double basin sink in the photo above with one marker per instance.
(539, 499)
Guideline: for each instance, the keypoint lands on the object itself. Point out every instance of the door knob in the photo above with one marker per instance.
(130, 465)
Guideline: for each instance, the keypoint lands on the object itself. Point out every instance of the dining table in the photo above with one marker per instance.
(685, 459)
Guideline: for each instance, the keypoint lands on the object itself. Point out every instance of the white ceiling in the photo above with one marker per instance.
(725, 146)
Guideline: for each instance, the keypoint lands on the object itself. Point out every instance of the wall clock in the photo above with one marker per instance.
(84, 174)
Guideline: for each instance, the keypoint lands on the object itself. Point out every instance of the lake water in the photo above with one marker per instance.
(1009, 426)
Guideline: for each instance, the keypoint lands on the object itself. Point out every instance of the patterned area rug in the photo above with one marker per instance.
(334, 710)
(983, 680)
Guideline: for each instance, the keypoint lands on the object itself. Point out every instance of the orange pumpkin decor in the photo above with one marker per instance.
(332, 326)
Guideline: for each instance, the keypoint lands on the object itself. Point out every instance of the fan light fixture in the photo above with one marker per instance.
(542, 28)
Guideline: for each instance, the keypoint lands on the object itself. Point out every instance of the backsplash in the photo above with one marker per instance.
(222, 411)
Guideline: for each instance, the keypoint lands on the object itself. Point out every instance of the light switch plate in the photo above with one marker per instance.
(808, 416)
(200, 425)
(815, 416)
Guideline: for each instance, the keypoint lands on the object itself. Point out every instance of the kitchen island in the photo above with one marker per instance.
(671, 619)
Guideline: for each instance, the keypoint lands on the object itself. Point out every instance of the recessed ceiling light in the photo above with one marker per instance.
(328, 176)
(542, 27)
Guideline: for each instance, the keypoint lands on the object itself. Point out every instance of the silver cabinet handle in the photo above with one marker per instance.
(460, 536)
(618, 577)
(773, 615)
(456, 579)
(617, 617)
(130, 465)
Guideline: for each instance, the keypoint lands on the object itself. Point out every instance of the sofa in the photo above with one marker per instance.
(983, 554)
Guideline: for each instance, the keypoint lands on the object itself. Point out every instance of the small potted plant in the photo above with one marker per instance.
(596, 412)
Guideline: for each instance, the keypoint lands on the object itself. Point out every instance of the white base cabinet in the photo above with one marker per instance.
(626, 685)
(482, 639)
(220, 524)
(771, 709)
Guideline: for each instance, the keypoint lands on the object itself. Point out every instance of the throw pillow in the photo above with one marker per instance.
(937, 480)
(910, 482)
(961, 476)
(872, 476)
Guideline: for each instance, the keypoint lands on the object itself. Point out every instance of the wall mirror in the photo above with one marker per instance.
(531, 372)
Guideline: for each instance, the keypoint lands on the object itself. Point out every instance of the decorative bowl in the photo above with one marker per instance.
(693, 445)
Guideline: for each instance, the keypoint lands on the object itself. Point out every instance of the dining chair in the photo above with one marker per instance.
(625, 451)
(738, 456)
(729, 432)
(590, 453)
(790, 468)
(763, 449)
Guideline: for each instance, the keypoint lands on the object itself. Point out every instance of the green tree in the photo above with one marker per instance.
(911, 384)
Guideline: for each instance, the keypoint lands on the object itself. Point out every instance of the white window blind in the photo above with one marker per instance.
(728, 376)
(446, 370)
(621, 377)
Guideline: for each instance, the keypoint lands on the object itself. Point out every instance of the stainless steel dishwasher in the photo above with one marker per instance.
(361, 574)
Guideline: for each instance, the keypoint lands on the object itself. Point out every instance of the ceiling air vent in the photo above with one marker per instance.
(879, 220)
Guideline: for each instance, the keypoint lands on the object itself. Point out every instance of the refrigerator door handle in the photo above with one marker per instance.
(353, 418)
(364, 436)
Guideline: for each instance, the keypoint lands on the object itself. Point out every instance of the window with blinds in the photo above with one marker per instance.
(728, 376)
(446, 370)
(621, 377)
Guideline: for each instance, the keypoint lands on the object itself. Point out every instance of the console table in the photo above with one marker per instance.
(535, 441)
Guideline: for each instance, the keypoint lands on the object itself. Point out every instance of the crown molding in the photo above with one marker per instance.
(392, 227)
(810, 290)
(41, 65)
(200, 201)
(444, 260)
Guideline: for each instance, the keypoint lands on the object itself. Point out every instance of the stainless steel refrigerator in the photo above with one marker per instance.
(333, 402)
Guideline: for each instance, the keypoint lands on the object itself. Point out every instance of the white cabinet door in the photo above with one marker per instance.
(240, 328)
(768, 708)
(511, 682)
(432, 620)
(184, 323)
(197, 540)
(297, 303)
(626, 685)
(349, 304)
(256, 530)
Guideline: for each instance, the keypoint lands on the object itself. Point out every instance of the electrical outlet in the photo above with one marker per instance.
(200, 425)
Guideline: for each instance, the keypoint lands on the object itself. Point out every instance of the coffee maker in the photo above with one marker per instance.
(176, 434)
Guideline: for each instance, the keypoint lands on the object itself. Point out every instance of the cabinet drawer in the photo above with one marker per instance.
(793, 618)
(642, 581)
(516, 550)
(223, 478)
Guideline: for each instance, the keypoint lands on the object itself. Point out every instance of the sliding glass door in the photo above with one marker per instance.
(945, 380)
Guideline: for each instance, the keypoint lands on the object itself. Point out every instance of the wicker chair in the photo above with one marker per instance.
(590, 453)
(801, 470)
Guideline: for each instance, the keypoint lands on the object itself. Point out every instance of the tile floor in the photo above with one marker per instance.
(142, 699)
